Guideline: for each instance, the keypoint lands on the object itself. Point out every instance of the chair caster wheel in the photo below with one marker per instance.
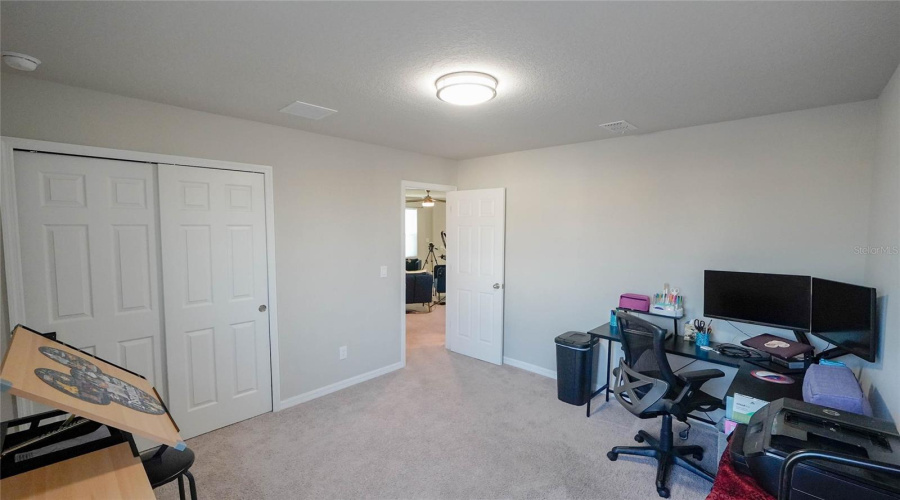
(639, 438)
(663, 492)
(612, 456)
(684, 434)
(698, 457)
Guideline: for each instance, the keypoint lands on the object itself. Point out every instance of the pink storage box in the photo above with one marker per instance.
(635, 302)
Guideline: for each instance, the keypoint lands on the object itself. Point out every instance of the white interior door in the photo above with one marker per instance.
(476, 236)
(215, 282)
(88, 237)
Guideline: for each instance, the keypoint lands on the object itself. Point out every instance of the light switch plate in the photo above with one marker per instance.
(384, 271)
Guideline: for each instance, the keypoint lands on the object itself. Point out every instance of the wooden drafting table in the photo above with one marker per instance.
(55, 374)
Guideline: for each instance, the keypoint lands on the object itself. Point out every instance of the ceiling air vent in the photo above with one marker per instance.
(305, 110)
(619, 127)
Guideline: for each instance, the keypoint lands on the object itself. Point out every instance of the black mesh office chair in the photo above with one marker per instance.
(647, 387)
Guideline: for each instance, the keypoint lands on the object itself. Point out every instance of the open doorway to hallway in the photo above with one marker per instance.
(424, 226)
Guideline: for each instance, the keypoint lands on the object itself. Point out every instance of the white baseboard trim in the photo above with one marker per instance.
(529, 367)
(343, 384)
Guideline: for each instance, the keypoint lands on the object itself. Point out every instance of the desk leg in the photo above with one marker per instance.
(605, 388)
(590, 381)
(608, 361)
(594, 395)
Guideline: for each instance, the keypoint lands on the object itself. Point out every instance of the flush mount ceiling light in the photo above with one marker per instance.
(466, 88)
(19, 61)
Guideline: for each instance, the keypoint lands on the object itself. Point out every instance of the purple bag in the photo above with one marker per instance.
(634, 302)
(835, 387)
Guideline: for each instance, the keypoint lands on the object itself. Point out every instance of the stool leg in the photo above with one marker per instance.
(181, 487)
(192, 484)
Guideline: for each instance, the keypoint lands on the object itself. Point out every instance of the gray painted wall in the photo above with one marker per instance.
(883, 264)
(426, 223)
(785, 193)
(439, 223)
(585, 222)
(328, 253)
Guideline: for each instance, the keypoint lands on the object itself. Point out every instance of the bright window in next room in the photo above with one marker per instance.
(412, 232)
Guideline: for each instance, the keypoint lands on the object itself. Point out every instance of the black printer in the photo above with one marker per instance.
(787, 425)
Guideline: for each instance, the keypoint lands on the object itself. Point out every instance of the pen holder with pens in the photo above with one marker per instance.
(702, 339)
(701, 330)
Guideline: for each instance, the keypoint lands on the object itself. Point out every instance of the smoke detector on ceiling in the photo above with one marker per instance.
(305, 110)
(22, 62)
(619, 127)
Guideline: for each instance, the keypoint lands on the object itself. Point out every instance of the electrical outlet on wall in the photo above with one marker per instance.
(342, 352)
(384, 271)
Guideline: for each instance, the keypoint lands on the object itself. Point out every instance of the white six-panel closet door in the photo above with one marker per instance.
(213, 232)
(88, 238)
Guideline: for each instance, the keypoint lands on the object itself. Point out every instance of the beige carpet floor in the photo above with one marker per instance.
(446, 426)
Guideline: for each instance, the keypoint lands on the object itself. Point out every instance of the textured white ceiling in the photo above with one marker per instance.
(564, 68)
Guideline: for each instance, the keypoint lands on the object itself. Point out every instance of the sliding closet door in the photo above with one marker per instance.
(213, 230)
(88, 236)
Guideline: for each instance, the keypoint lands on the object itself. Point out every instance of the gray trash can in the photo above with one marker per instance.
(574, 367)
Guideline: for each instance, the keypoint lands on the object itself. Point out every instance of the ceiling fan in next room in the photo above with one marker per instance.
(427, 201)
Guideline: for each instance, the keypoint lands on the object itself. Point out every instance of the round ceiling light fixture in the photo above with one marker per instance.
(466, 88)
(19, 61)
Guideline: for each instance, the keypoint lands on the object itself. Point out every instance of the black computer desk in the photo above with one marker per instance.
(743, 383)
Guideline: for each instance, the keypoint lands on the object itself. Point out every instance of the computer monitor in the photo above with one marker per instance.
(838, 313)
(777, 300)
(844, 315)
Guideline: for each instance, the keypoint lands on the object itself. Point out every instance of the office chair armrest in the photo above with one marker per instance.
(699, 377)
(693, 381)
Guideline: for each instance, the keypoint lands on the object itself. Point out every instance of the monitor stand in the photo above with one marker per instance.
(832, 353)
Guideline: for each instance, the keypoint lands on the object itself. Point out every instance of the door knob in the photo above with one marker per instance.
(262, 308)
(496, 286)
